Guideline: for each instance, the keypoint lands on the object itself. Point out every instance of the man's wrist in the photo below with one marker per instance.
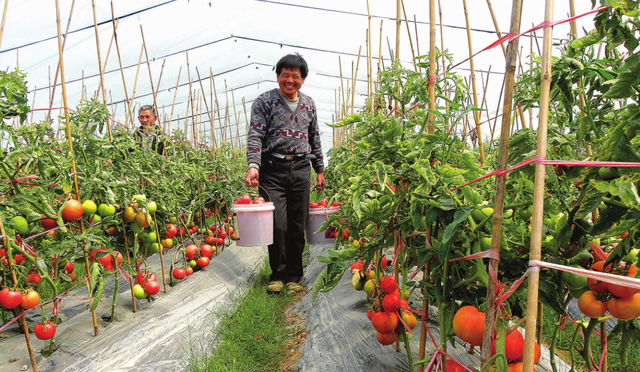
(254, 165)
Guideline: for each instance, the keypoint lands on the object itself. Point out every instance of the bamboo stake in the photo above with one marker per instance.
(126, 250)
(432, 64)
(227, 112)
(246, 117)
(4, 18)
(538, 194)
(510, 68)
(398, 26)
(21, 322)
(415, 25)
(175, 93)
(406, 21)
(380, 65)
(217, 104)
(144, 46)
(106, 60)
(73, 162)
(355, 79)
(164, 277)
(233, 100)
(476, 114)
(186, 115)
(209, 113)
(135, 81)
(55, 79)
(341, 82)
(369, 59)
(35, 89)
(104, 91)
(124, 83)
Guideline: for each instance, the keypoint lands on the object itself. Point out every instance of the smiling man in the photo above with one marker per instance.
(283, 144)
(148, 133)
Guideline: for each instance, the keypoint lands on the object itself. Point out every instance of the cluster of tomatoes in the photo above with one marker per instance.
(146, 285)
(246, 199)
(468, 325)
(324, 203)
(596, 297)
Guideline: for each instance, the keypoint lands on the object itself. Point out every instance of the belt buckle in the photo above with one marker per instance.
(288, 157)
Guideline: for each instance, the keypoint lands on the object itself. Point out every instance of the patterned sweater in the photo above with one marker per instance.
(275, 128)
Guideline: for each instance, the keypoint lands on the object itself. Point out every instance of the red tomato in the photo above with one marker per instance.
(68, 267)
(10, 299)
(258, 200)
(620, 290)
(222, 234)
(391, 302)
(72, 211)
(323, 203)
(211, 240)
(513, 346)
(44, 331)
(451, 365)
(206, 251)
(385, 322)
(179, 273)
(101, 255)
(244, 199)
(202, 262)
(388, 284)
(386, 338)
(358, 265)
(189, 270)
(220, 242)
(48, 223)
(313, 205)
(151, 287)
(190, 251)
(383, 262)
(172, 230)
(596, 285)
(468, 325)
(144, 276)
(34, 278)
(30, 300)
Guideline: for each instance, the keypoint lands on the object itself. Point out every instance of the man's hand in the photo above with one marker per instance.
(320, 184)
(251, 179)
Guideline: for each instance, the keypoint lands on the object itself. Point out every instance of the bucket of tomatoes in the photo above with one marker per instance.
(319, 211)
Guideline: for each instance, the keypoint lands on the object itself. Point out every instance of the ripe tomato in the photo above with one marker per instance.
(172, 230)
(388, 284)
(313, 205)
(73, 276)
(141, 219)
(385, 322)
(206, 251)
(468, 325)
(34, 278)
(151, 287)
(620, 290)
(101, 255)
(244, 199)
(516, 367)
(188, 270)
(220, 242)
(596, 285)
(536, 354)
(258, 200)
(179, 273)
(68, 267)
(138, 292)
(144, 276)
(167, 243)
(323, 203)
(48, 223)
(383, 262)
(44, 331)
(358, 265)
(202, 262)
(30, 300)
(590, 306)
(513, 346)
(72, 211)
(190, 251)
(10, 299)
(386, 338)
(371, 313)
(129, 214)
(391, 302)
(211, 240)
(626, 308)
(451, 365)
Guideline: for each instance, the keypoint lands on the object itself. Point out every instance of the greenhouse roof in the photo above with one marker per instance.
(239, 43)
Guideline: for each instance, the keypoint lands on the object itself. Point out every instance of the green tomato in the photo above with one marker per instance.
(608, 173)
(139, 197)
(105, 210)
(136, 228)
(138, 292)
(20, 224)
(89, 207)
(525, 214)
(152, 207)
(193, 263)
(95, 218)
(154, 248)
(151, 237)
(485, 243)
(574, 281)
(173, 219)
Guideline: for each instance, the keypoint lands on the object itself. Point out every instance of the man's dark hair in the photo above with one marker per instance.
(147, 107)
(293, 61)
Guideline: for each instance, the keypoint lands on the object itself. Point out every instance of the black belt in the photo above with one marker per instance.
(288, 157)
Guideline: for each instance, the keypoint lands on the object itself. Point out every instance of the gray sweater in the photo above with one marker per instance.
(275, 128)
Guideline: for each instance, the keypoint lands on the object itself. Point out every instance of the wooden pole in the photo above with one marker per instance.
(206, 105)
(538, 193)
(355, 79)
(106, 60)
(55, 79)
(124, 82)
(415, 25)
(476, 114)
(73, 162)
(146, 54)
(217, 105)
(4, 18)
(406, 22)
(135, 81)
(510, 68)
(175, 93)
(126, 251)
(432, 64)
(369, 59)
(104, 91)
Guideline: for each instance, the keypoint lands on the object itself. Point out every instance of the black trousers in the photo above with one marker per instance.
(286, 184)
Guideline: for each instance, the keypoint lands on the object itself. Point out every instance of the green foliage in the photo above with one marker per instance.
(13, 95)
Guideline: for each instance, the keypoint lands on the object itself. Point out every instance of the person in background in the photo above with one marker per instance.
(148, 133)
(283, 143)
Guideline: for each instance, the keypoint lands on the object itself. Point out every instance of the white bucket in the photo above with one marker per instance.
(255, 224)
(317, 216)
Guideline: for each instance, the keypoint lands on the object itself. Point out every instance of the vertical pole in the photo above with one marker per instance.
(55, 79)
(538, 192)
(146, 54)
(432, 64)
(124, 83)
(73, 162)
(510, 68)
(4, 18)
(104, 91)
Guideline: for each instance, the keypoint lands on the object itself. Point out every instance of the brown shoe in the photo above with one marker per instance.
(275, 286)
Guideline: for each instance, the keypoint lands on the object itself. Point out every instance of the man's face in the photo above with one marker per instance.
(290, 81)
(147, 119)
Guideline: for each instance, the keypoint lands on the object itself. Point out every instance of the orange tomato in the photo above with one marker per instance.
(591, 306)
(386, 338)
(468, 325)
(626, 308)
(620, 290)
(409, 319)
(597, 285)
